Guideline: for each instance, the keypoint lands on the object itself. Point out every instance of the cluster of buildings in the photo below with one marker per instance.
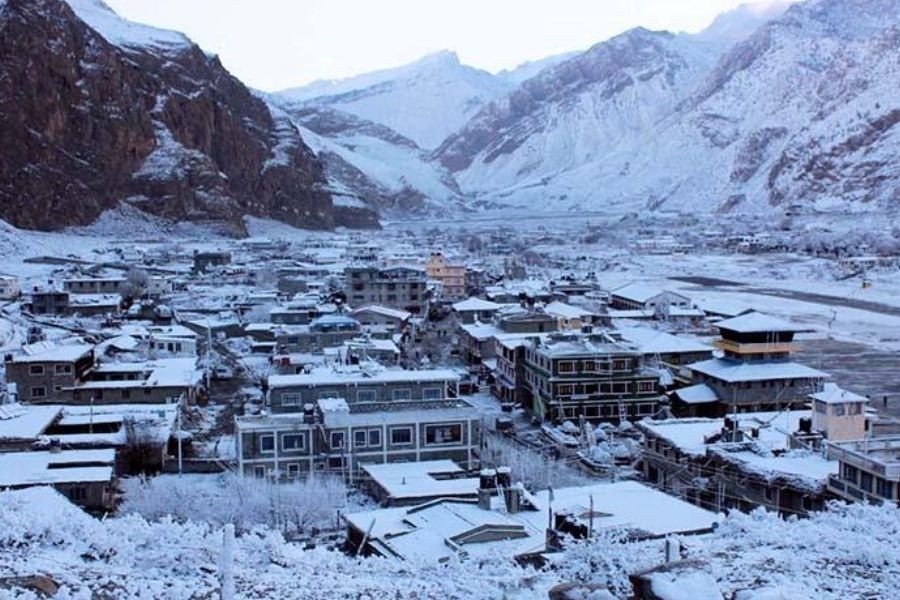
(392, 370)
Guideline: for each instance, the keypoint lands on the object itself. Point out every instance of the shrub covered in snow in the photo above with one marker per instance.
(247, 502)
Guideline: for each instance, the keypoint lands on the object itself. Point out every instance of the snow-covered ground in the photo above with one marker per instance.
(841, 554)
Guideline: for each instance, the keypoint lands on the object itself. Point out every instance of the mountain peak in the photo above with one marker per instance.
(124, 33)
(741, 22)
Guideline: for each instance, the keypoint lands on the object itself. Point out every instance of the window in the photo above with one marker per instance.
(267, 443)
(566, 366)
(884, 488)
(374, 438)
(849, 473)
(366, 395)
(432, 393)
(565, 390)
(645, 386)
(36, 370)
(403, 394)
(619, 388)
(821, 407)
(259, 471)
(590, 366)
(291, 399)
(293, 470)
(63, 369)
(337, 440)
(38, 392)
(293, 441)
(838, 410)
(865, 481)
(401, 436)
(437, 435)
(620, 364)
(328, 394)
(360, 438)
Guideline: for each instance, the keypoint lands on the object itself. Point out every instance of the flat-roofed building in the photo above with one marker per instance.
(336, 436)
(367, 382)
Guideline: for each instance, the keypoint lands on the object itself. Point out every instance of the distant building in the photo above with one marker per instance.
(204, 261)
(323, 332)
(47, 301)
(395, 287)
(9, 287)
(452, 277)
(637, 296)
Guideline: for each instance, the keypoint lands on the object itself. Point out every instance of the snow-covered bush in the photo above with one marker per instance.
(248, 502)
(535, 470)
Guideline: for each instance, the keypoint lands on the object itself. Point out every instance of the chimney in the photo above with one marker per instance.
(504, 477)
(513, 497)
(55, 446)
(487, 483)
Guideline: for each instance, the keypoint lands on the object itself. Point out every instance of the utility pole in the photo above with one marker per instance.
(226, 563)
(178, 425)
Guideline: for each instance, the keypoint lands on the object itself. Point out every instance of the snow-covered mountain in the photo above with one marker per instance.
(425, 101)
(766, 108)
(372, 162)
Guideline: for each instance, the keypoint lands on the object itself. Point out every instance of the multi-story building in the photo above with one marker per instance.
(590, 375)
(323, 332)
(337, 436)
(45, 373)
(395, 287)
(47, 301)
(359, 383)
(451, 277)
(95, 285)
(756, 372)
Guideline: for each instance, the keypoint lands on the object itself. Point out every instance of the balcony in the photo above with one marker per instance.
(758, 348)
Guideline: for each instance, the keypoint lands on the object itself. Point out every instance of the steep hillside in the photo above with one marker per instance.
(96, 110)
(374, 163)
(578, 111)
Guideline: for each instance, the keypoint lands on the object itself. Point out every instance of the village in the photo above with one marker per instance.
(472, 392)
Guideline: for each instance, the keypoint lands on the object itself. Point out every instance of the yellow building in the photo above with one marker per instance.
(451, 277)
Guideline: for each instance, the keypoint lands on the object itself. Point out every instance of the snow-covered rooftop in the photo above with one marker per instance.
(733, 371)
(759, 322)
(66, 466)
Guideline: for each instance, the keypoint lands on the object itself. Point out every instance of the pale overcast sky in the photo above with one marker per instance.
(275, 44)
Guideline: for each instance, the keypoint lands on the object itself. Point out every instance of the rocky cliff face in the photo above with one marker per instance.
(99, 112)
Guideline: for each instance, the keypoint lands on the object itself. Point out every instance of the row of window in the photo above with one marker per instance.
(364, 395)
(435, 435)
(593, 366)
(64, 369)
(868, 482)
(620, 387)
